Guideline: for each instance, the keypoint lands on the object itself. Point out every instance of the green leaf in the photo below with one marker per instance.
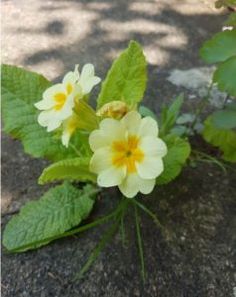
(170, 114)
(146, 112)
(20, 90)
(185, 118)
(38, 222)
(126, 80)
(220, 47)
(224, 139)
(224, 119)
(72, 169)
(225, 76)
(178, 152)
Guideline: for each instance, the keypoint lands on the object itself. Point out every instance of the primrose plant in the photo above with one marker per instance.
(117, 144)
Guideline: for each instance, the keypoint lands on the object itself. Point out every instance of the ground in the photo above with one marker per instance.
(194, 256)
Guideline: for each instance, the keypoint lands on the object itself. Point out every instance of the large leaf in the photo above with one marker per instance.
(126, 80)
(178, 152)
(225, 75)
(72, 169)
(170, 114)
(224, 139)
(38, 222)
(20, 90)
(220, 47)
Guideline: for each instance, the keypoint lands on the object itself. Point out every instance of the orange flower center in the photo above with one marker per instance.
(127, 153)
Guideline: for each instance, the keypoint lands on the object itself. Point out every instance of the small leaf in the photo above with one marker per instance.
(170, 115)
(72, 169)
(177, 154)
(225, 76)
(126, 80)
(146, 112)
(38, 222)
(179, 130)
(185, 118)
(220, 47)
(225, 139)
(224, 119)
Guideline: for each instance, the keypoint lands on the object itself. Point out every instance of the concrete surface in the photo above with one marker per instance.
(195, 257)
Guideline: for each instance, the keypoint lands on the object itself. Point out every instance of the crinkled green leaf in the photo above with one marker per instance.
(72, 169)
(20, 90)
(224, 139)
(170, 114)
(178, 152)
(38, 222)
(220, 47)
(126, 80)
(224, 119)
(225, 76)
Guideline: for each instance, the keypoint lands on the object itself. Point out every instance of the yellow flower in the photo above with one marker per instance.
(127, 154)
(59, 100)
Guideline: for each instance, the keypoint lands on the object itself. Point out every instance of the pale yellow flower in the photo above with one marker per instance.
(59, 100)
(127, 154)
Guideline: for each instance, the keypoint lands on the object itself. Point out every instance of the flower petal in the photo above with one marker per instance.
(146, 185)
(97, 140)
(50, 92)
(67, 109)
(87, 79)
(44, 104)
(53, 125)
(113, 129)
(132, 121)
(48, 97)
(153, 146)
(111, 177)
(72, 76)
(101, 160)
(69, 127)
(65, 138)
(150, 167)
(134, 183)
(130, 185)
(148, 127)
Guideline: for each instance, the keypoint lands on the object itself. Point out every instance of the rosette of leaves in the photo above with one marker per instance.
(60, 210)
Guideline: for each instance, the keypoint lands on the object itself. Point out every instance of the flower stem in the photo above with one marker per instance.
(151, 214)
(98, 249)
(140, 242)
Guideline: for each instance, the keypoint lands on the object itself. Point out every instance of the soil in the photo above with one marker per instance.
(195, 254)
